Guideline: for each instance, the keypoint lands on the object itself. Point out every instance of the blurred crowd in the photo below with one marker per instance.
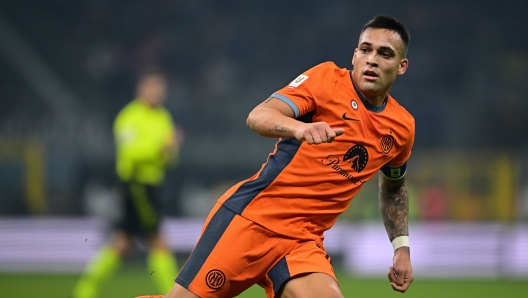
(465, 84)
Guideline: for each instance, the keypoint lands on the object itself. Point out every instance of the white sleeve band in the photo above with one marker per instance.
(400, 241)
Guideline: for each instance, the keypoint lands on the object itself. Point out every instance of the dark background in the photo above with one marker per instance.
(67, 67)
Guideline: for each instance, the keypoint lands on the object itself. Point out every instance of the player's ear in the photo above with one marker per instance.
(402, 68)
(354, 56)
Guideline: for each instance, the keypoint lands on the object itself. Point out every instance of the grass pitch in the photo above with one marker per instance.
(132, 281)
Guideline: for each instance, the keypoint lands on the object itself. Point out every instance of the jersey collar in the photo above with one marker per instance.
(367, 104)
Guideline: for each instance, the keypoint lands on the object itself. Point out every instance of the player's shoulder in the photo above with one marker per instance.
(128, 109)
(131, 107)
(325, 73)
(165, 113)
(129, 112)
(403, 114)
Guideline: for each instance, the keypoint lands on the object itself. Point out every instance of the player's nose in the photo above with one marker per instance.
(372, 61)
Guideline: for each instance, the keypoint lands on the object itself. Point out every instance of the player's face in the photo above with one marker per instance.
(377, 60)
(153, 89)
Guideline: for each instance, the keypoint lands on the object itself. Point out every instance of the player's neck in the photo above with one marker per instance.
(147, 102)
(375, 101)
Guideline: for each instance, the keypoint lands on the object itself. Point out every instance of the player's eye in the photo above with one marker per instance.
(386, 55)
(364, 50)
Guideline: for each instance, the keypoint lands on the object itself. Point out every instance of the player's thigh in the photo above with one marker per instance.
(311, 285)
(147, 205)
(140, 210)
(309, 271)
(232, 254)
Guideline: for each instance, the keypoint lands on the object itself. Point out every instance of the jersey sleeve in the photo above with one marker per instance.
(405, 153)
(397, 167)
(309, 90)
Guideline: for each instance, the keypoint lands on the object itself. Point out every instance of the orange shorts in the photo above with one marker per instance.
(234, 253)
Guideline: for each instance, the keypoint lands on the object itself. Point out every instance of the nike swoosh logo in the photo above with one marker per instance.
(346, 118)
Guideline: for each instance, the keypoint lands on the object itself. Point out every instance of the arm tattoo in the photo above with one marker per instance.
(278, 128)
(394, 206)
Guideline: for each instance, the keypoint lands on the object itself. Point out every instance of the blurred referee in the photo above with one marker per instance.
(147, 142)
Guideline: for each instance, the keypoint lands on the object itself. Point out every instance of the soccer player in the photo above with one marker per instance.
(337, 129)
(146, 142)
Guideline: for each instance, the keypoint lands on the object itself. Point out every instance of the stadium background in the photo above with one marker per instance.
(67, 67)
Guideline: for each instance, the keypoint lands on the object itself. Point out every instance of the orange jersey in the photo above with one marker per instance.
(301, 189)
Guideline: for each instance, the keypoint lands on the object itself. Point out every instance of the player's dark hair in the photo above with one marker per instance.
(386, 22)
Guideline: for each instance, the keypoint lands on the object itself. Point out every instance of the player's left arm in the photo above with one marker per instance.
(394, 209)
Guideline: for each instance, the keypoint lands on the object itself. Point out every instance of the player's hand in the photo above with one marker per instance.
(317, 133)
(401, 273)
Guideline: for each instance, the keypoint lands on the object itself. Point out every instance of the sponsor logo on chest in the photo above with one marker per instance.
(351, 163)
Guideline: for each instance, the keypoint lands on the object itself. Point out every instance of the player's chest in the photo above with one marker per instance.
(150, 126)
(370, 138)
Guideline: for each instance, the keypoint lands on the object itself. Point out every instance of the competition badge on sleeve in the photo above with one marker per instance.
(299, 80)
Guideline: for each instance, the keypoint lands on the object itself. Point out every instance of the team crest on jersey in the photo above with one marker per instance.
(215, 279)
(298, 81)
(387, 142)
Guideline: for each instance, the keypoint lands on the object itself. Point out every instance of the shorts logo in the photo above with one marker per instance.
(215, 279)
(386, 144)
(298, 81)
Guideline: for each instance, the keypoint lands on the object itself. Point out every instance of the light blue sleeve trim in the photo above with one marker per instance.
(289, 102)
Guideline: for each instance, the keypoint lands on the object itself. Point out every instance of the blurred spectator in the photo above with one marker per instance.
(147, 141)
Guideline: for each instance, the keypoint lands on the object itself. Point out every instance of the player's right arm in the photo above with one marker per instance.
(275, 119)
